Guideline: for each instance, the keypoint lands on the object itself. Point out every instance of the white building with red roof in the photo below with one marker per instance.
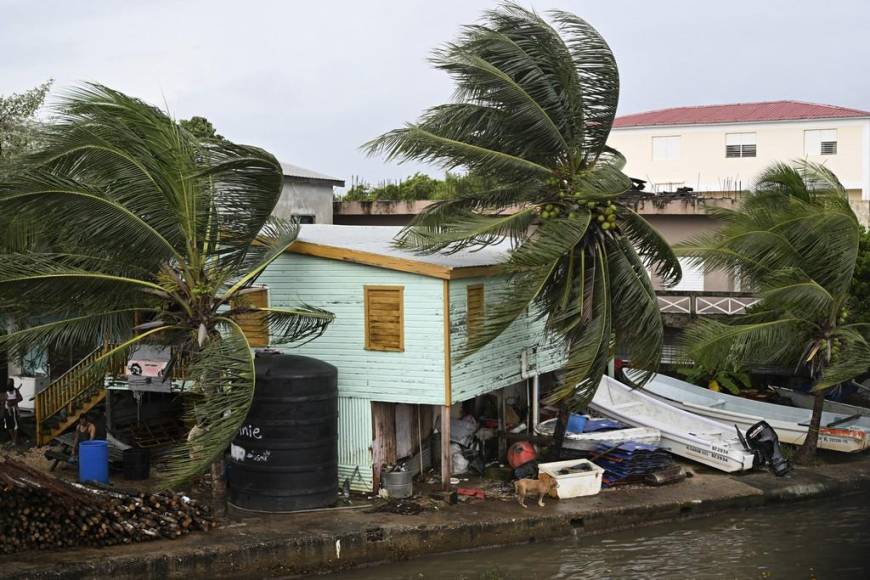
(723, 148)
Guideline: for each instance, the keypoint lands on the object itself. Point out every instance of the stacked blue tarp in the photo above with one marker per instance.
(630, 462)
(593, 425)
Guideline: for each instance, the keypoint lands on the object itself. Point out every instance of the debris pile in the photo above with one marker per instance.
(39, 512)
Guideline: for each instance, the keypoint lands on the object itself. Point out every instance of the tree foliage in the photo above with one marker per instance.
(18, 125)
(796, 241)
(140, 221)
(859, 300)
(201, 128)
(419, 187)
(533, 107)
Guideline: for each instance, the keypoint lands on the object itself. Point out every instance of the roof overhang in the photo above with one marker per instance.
(392, 262)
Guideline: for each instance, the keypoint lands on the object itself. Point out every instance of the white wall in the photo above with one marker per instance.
(703, 166)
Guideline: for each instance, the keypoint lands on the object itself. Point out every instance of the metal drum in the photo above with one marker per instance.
(285, 456)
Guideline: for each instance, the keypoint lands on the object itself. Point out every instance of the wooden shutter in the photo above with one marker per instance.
(254, 324)
(476, 309)
(384, 318)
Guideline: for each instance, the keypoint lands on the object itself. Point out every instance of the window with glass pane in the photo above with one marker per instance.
(820, 142)
(740, 145)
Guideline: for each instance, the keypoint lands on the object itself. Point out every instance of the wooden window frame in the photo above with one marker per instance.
(251, 316)
(368, 339)
(471, 330)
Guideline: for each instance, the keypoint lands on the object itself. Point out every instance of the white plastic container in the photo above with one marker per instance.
(575, 484)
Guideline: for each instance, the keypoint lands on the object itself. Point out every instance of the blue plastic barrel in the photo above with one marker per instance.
(94, 461)
(576, 423)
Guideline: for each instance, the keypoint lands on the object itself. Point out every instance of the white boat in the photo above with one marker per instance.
(844, 434)
(805, 401)
(682, 433)
(589, 441)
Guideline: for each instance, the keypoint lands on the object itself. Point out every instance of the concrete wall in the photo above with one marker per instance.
(702, 163)
(679, 228)
(305, 198)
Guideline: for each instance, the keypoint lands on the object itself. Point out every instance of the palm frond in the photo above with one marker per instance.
(465, 229)
(637, 320)
(853, 361)
(297, 325)
(715, 344)
(248, 264)
(480, 79)
(415, 142)
(588, 342)
(87, 213)
(224, 375)
(653, 249)
(598, 80)
(792, 290)
(89, 328)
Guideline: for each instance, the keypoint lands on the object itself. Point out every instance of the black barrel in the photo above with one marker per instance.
(137, 463)
(285, 456)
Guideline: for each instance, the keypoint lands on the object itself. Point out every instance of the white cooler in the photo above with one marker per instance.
(576, 483)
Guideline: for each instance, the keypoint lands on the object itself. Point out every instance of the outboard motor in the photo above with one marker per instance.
(762, 440)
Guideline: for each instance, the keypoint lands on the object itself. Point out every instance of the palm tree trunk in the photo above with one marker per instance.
(218, 490)
(807, 452)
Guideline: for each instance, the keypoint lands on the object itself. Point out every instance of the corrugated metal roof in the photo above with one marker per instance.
(296, 171)
(738, 113)
(379, 240)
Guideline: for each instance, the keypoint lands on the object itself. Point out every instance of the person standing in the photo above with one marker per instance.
(86, 430)
(11, 416)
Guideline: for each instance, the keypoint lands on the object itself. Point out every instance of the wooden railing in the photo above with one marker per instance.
(67, 387)
(704, 303)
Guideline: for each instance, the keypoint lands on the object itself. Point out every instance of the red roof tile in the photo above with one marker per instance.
(737, 113)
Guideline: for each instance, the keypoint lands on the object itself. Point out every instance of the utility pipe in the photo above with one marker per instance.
(536, 386)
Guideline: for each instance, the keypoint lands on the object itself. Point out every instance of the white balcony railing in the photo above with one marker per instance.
(704, 303)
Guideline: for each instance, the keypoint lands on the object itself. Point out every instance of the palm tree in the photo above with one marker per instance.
(147, 235)
(794, 240)
(534, 104)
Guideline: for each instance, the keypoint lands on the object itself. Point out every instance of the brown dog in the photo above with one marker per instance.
(542, 487)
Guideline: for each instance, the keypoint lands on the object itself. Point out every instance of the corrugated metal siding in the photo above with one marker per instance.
(497, 365)
(413, 376)
(354, 442)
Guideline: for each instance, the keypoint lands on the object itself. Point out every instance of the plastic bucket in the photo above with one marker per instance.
(576, 423)
(398, 483)
(94, 461)
(137, 464)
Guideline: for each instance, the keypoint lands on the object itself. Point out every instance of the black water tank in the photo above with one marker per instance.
(285, 456)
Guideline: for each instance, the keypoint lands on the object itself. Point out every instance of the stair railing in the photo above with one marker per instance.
(63, 391)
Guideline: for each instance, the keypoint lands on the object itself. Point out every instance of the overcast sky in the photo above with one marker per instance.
(311, 81)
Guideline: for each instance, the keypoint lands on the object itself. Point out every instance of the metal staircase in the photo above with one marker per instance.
(67, 398)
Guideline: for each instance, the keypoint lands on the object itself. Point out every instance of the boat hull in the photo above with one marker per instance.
(786, 421)
(682, 433)
(805, 401)
(589, 441)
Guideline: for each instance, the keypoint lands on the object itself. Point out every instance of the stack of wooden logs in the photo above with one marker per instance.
(39, 512)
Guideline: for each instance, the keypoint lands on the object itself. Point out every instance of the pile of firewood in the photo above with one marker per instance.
(39, 512)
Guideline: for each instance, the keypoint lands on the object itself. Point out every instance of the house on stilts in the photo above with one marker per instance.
(402, 321)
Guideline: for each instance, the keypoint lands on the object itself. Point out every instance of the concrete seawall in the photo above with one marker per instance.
(323, 541)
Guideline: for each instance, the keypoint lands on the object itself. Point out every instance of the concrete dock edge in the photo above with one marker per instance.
(326, 541)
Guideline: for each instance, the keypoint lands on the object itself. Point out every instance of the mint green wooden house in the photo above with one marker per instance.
(400, 322)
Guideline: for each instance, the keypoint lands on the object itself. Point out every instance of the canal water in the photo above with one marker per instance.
(816, 539)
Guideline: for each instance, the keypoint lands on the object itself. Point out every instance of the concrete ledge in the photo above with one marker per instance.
(302, 543)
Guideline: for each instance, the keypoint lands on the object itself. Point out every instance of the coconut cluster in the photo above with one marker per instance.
(603, 212)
